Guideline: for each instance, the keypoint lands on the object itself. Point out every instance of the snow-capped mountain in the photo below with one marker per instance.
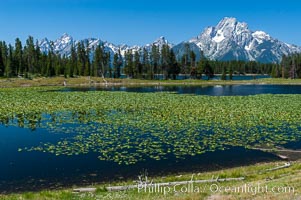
(45, 45)
(159, 43)
(63, 45)
(229, 40)
(233, 40)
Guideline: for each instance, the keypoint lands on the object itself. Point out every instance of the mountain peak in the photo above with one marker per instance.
(65, 38)
(228, 21)
(159, 42)
(230, 26)
(65, 35)
(233, 40)
(161, 39)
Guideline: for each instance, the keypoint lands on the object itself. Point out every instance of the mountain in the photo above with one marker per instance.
(159, 43)
(233, 40)
(228, 40)
(63, 45)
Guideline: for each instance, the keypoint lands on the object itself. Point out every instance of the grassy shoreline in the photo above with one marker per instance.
(99, 82)
(288, 180)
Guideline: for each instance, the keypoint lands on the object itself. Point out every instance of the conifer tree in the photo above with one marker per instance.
(18, 57)
(29, 52)
(146, 70)
(137, 67)
(37, 58)
(9, 71)
(165, 60)
(2, 67)
(81, 58)
(155, 57)
(73, 70)
(129, 64)
(231, 73)
(117, 63)
(87, 66)
(224, 74)
(173, 68)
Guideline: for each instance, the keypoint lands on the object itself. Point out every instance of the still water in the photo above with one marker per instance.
(217, 90)
(27, 171)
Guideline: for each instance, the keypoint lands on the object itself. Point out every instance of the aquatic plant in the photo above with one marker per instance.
(130, 127)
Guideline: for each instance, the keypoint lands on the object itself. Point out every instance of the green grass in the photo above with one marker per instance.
(288, 177)
(97, 81)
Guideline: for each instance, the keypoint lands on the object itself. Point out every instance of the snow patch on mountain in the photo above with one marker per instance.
(219, 37)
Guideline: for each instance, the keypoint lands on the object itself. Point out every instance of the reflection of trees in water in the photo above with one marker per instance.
(36, 120)
(29, 120)
(125, 141)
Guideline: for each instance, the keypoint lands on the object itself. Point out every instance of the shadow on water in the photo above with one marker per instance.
(37, 171)
(296, 145)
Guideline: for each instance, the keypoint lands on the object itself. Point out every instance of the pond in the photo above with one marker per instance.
(30, 171)
(53, 139)
(218, 77)
(217, 90)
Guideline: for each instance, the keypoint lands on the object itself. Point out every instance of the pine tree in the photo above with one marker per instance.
(101, 61)
(4, 50)
(9, 71)
(97, 61)
(129, 64)
(29, 52)
(193, 71)
(18, 57)
(107, 63)
(224, 76)
(37, 58)
(120, 64)
(117, 63)
(293, 73)
(173, 66)
(2, 67)
(231, 73)
(73, 62)
(87, 65)
(81, 58)
(208, 70)
(146, 70)
(154, 57)
(137, 67)
(165, 60)
(43, 64)
(185, 60)
(50, 71)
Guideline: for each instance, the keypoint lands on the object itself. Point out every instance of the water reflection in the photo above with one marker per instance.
(35, 170)
(218, 90)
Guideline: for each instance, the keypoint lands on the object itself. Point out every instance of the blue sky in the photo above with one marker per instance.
(140, 22)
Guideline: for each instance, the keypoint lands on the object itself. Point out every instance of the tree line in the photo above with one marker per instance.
(290, 67)
(29, 60)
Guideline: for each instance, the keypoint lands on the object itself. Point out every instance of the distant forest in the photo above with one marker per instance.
(28, 61)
